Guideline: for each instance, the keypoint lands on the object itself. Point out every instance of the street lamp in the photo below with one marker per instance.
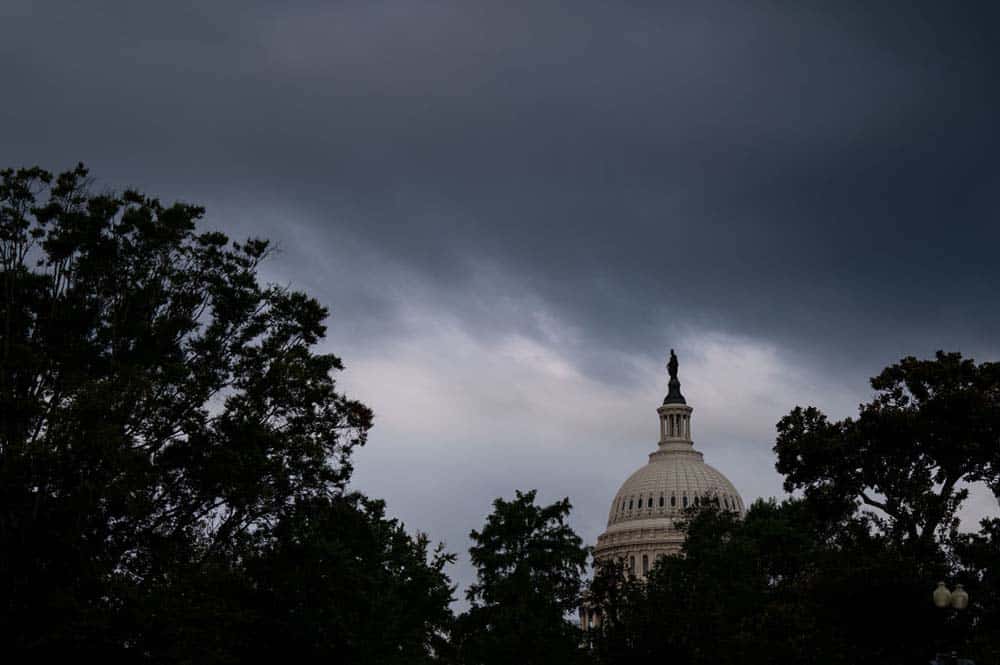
(957, 599)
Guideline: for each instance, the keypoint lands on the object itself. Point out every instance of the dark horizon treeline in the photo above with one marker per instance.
(175, 457)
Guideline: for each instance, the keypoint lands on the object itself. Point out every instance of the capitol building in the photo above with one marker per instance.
(642, 521)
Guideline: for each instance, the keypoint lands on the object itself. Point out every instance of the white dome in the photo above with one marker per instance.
(642, 520)
(665, 486)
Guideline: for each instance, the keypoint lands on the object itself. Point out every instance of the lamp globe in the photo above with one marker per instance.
(942, 596)
(959, 598)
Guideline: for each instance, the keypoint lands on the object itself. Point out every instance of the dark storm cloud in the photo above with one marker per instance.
(803, 172)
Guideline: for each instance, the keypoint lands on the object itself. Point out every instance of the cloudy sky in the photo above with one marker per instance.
(515, 209)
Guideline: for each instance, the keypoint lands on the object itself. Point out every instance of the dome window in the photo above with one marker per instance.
(673, 501)
(631, 564)
(685, 501)
(649, 503)
(645, 565)
(661, 501)
(630, 504)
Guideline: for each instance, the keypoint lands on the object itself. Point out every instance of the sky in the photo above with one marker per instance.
(514, 210)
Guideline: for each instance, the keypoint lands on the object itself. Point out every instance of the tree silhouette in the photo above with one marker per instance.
(529, 564)
(933, 426)
(170, 442)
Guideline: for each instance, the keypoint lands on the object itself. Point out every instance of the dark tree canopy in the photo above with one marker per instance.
(978, 557)
(172, 446)
(343, 583)
(783, 585)
(933, 425)
(529, 566)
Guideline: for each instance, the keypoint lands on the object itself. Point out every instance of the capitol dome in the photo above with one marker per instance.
(643, 518)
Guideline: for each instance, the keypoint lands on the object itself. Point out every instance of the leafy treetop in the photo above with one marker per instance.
(932, 426)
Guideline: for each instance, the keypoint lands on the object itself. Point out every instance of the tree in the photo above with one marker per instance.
(619, 603)
(786, 584)
(905, 462)
(172, 447)
(391, 596)
(978, 561)
(529, 566)
(711, 603)
(933, 426)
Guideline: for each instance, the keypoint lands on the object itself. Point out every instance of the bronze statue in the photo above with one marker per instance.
(672, 365)
(674, 395)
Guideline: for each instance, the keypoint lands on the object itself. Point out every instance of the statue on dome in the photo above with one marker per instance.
(672, 365)
(674, 395)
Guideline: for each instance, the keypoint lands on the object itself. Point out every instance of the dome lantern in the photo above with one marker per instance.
(675, 414)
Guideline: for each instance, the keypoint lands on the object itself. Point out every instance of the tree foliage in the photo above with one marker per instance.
(978, 566)
(529, 565)
(341, 582)
(783, 585)
(933, 426)
(173, 449)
